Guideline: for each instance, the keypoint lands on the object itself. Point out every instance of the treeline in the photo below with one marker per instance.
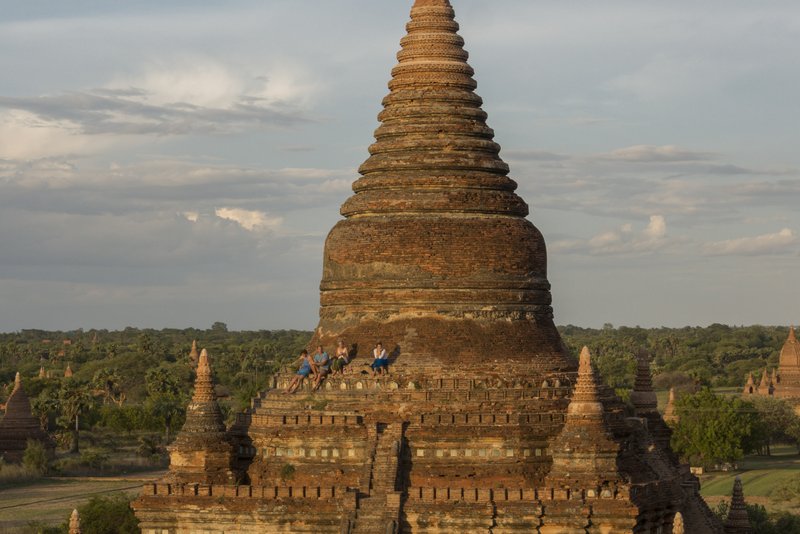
(714, 356)
(242, 360)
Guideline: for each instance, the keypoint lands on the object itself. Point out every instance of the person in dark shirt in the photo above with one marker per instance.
(322, 363)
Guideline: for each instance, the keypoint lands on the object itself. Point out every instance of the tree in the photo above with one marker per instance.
(108, 515)
(713, 429)
(168, 409)
(74, 400)
(163, 380)
(778, 419)
(43, 405)
(109, 383)
(35, 457)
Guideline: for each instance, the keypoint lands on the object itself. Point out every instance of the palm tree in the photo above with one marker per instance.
(74, 399)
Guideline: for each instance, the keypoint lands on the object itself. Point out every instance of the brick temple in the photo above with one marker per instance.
(783, 382)
(485, 422)
(18, 426)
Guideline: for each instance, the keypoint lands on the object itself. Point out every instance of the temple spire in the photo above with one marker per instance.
(203, 451)
(586, 397)
(18, 425)
(763, 386)
(576, 459)
(643, 397)
(678, 526)
(204, 383)
(431, 3)
(435, 243)
(193, 353)
(669, 412)
(75, 523)
(737, 521)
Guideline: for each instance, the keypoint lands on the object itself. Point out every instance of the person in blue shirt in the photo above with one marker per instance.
(321, 366)
(380, 363)
(302, 372)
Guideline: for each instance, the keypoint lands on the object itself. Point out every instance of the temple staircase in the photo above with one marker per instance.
(379, 505)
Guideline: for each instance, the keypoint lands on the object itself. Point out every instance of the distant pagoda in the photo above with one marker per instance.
(18, 426)
(485, 423)
(783, 382)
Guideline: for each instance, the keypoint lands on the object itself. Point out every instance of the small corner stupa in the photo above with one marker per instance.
(484, 422)
(75, 523)
(18, 425)
(202, 452)
(193, 355)
(670, 415)
(737, 521)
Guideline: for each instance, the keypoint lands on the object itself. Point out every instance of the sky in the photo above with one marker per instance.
(173, 164)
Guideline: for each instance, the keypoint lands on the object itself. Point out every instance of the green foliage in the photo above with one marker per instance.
(787, 490)
(778, 419)
(761, 521)
(94, 459)
(14, 474)
(128, 418)
(717, 355)
(713, 429)
(35, 457)
(108, 515)
(150, 447)
(764, 523)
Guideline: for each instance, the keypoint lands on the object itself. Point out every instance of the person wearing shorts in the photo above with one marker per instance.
(302, 372)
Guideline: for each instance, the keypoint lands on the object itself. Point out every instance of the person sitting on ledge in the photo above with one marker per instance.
(380, 364)
(342, 359)
(302, 372)
(322, 364)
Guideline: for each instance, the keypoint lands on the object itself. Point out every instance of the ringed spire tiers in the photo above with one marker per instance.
(435, 247)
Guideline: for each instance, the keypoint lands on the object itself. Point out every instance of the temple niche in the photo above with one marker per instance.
(485, 422)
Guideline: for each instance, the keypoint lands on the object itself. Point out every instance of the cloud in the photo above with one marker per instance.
(534, 155)
(250, 220)
(624, 240)
(780, 242)
(174, 99)
(656, 154)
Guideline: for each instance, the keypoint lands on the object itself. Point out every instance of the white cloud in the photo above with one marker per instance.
(657, 227)
(653, 153)
(623, 240)
(191, 216)
(250, 220)
(783, 241)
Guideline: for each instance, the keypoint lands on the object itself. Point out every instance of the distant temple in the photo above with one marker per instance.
(485, 422)
(18, 425)
(783, 382)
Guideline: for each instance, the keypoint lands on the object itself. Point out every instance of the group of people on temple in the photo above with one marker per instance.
(320, 365)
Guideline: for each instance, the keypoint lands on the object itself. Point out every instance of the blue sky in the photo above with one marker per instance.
(176, 164)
